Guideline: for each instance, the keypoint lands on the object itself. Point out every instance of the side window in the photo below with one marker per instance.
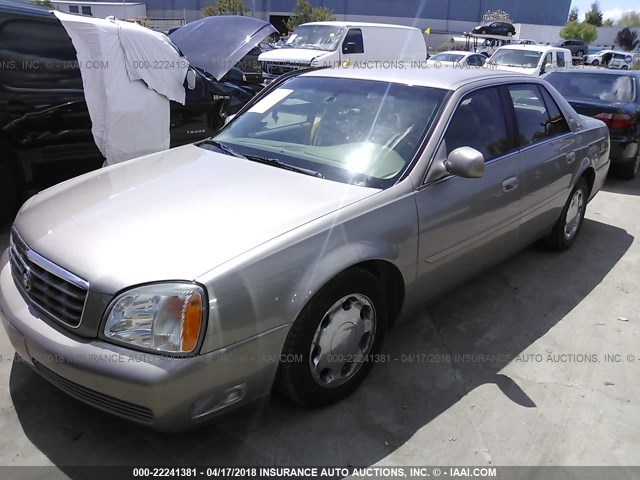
(354, 35)
(535, 121)
(475, 60)
(555, 123)
(47, 61)
(478, 122)
(548, 59)
(561, 60)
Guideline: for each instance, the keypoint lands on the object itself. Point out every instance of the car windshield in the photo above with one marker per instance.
(447, 57)
(516, 58)
(319, 37)
(354, 131)
(599, 86)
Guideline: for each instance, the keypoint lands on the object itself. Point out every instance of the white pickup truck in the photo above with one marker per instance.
(335, 44)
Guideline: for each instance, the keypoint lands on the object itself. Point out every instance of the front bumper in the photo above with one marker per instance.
(164, 393)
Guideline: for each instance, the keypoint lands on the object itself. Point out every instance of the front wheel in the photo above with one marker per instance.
(595, 63)
(330, 346)
(483, 32)
(566, 229)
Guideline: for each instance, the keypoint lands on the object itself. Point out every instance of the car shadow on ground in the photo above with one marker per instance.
(499, 313)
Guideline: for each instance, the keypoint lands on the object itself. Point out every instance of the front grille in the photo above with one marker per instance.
(58, 294)
(278, 68)
(96, 399)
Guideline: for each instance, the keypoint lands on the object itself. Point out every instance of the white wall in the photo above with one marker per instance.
(98, 10)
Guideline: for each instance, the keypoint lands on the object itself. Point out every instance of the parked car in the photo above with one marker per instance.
(578, 48)
(524, 41)
(250, 65)
(601, 58)
(621, 61)
(490, 45)
(610, 96)
(530, 59)
(339, 44)
(45, 127)
(456, 58)
(281, 249)
(496, 28)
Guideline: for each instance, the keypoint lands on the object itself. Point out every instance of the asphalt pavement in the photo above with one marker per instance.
(535, 362)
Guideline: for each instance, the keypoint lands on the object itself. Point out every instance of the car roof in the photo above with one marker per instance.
(542, 48)
(24, 9)
(455, 52)
(598, 71)
(360, 24)
(443, 78)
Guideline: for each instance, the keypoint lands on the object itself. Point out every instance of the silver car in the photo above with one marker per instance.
(177, 286)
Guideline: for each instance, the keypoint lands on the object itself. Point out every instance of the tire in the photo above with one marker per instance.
(308, 382)
(579, 53)
(8, 193)
(595, 63)
(629, 170)
(483, 32)
(559, 239)
(624, 67)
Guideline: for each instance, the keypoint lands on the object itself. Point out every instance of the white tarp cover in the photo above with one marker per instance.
(129, 74)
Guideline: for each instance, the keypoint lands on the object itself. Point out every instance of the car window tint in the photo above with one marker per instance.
(479, 123)
(561, 60)
(556, 124)
(354, 35)
(599, 86)
(47, 60)
(534, 121)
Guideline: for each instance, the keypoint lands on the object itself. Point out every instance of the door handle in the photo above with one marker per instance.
(510, 184)
(571, 156)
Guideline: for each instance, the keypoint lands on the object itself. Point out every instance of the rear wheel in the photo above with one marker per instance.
(568, 226)
(483, 32)
(624, 67)
(595, 63)
(329, 349)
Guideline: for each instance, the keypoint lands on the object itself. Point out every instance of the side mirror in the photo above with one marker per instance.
(465, 162)
(191, 79)
(350, 48)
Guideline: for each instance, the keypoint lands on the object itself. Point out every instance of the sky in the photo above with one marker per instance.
(610, 8)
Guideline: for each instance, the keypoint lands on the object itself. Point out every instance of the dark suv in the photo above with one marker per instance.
(496, 28)
(45, 128)
(578, 48)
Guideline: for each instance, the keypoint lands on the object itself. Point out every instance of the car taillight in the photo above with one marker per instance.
(617, 120)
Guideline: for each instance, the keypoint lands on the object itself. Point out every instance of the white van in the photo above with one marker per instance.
(334, 44)
(530, 59)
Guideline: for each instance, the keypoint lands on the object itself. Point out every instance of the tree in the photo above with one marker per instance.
(225, 7)
(579, 31)
(629, 19)
(607, 23)
(627, 39)
(594, 16)
(305, 12)
(573, 15)
(495, 16)
(44, 3)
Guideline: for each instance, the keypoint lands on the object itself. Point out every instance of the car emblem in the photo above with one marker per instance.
(26, 279)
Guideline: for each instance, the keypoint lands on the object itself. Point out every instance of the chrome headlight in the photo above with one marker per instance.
(164, 317)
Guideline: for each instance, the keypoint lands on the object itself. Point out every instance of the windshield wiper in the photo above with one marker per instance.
(285, 166)
(226, 149)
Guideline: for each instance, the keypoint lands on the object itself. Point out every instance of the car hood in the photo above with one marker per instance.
(172, 215)
(288, 54)
(216, 44)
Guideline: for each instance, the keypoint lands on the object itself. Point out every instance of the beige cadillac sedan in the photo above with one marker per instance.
(177, 286)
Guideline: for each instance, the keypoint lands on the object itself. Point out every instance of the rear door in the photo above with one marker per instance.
(469, 223)
(548, 150)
